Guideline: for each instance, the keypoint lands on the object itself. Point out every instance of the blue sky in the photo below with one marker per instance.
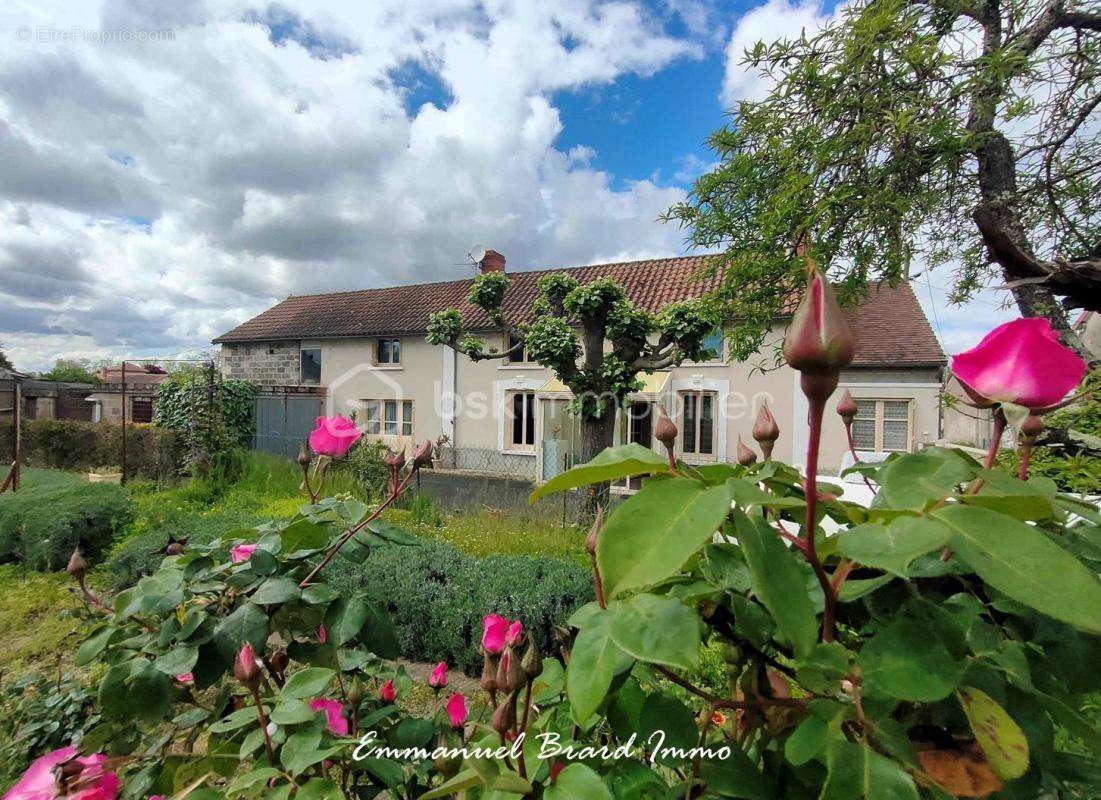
(157, 194)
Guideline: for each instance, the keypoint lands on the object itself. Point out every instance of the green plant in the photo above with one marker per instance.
(72, 370)
(422, 509)
(366, 463)
(39, 713)
(41, 526)
(437, 595)
(211, 414)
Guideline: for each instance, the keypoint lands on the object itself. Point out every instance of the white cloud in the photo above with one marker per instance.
(773, 21)
(157, 193)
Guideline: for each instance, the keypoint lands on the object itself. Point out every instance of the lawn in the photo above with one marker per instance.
(35, 622)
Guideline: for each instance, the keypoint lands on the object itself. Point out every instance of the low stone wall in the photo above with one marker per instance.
(461, 491)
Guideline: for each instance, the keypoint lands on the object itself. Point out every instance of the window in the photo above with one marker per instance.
(388, 351)
(882, 425)
(521, 420)
(521, 355)
(714, 342)
(698, 423)
(372, 417)
(311, 366)
(636, 421)
(388, 417)
(141, 409)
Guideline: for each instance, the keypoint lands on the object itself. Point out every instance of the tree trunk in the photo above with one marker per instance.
(596, 435)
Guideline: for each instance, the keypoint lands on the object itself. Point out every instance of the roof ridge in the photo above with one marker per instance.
(636, 263)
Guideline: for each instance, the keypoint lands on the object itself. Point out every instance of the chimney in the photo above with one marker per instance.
(492, 261)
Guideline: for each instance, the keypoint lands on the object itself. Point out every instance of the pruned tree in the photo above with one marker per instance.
(593, 338)
(915, 132)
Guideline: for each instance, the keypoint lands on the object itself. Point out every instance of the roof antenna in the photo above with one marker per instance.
(476, 254)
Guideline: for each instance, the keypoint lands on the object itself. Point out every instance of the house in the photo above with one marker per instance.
(363, 353)
(141, 381)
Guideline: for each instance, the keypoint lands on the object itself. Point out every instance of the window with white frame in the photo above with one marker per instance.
(520, 420)
(388, 417)
(882, 425)
(518, 357)
(698, 423)
(388, 352)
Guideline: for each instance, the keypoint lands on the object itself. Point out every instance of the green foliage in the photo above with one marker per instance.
(71, 370)
(37, 625)
(366, 463)
(85, 446)
(437, 596)
(444, 326)
(40, 713)
(488, 291)
(211, 415)
(878, 139)
(979, 648)
(41, 526)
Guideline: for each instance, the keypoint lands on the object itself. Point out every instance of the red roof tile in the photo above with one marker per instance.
(891, 327)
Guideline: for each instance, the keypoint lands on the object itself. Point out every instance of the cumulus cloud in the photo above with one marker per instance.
(158, 191)
(773, 21)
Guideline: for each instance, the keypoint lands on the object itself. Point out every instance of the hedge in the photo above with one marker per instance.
(438, 595)
(40, 526)
(151, 452)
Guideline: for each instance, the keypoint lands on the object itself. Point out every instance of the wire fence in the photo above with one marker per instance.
(487, 461)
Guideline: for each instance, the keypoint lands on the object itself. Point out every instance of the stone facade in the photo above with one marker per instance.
(263, 363)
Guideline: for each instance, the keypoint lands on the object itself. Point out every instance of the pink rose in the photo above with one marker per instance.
(245, 668)
(334, 715)
(185, 677)
(438, 678)
(1021, 362)
(242, 552)
(456, 710)
(322, 634)
(387, 692)
(494, 630)
(515, 631)
(333, 436)
(92, 782)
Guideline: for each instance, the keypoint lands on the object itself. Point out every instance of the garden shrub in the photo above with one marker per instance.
(212, 417)
(366, 464)
(436, 596)
(41, 526)
(151, 452)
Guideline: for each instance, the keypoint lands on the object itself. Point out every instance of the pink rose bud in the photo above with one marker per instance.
(333, 436)
(241, 553)
(185, 677)
(532, 662)
(303, 456)
(489, 673)
(504, 717)
(245, 668)
(494, 629)
(594, 531)
(335, 720)
(765, 430)
(847, 408)
(818, 339)
(394, 459)
(438, 679)
(422, 455)
(1022, 363)
(510, 673)
(322, 634)
(387, 693)
(514, 633)
(745, 455)
(456, 710)
(1032, 427)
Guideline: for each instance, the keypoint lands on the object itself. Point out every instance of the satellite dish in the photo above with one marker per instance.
(477, 253)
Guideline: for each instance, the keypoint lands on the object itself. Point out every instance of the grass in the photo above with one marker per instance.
(36, 625)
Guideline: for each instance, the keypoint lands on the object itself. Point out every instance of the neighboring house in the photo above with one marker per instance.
(1088, 326)
(141, 387)
(365, 352)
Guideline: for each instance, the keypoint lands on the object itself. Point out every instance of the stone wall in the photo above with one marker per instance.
(263, 363)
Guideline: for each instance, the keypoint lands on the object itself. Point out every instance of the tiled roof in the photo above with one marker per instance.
(896, 329)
